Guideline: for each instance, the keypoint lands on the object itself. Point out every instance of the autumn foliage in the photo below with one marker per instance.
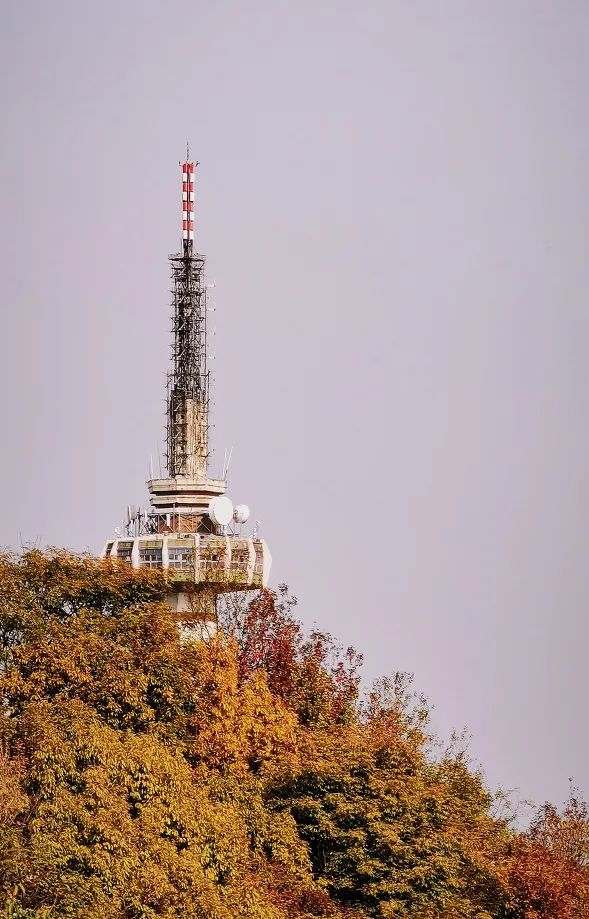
(243, 777)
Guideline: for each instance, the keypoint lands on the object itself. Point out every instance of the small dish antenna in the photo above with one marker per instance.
(221, 510)
(241, 513)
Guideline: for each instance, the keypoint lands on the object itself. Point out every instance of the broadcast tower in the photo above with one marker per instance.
(192, 531)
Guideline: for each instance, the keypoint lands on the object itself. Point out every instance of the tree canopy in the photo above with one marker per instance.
(143, 777)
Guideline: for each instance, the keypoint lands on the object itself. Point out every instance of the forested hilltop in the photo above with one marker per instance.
(244, 777)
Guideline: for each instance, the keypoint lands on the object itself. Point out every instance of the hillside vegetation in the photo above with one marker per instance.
(244, 777)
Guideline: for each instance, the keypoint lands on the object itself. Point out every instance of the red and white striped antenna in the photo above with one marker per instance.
(188, 169)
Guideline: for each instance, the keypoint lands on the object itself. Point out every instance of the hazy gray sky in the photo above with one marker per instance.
(393, 199)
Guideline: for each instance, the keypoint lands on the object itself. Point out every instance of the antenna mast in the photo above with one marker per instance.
(188, 381)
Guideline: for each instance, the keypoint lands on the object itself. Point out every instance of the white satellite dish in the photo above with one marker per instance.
(241, 513)
(221, 510)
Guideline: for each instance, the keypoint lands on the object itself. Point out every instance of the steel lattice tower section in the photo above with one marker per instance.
(188, 381)
(192, 530)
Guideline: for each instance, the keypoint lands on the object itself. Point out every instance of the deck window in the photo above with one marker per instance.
(150, 558)
(180, 557)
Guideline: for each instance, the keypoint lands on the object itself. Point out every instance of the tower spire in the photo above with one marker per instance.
(187, 204)
(188, 380)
